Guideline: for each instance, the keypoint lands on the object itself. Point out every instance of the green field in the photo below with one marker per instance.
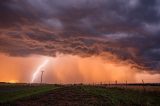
(76, 95)
(11, 92)
(120, 96)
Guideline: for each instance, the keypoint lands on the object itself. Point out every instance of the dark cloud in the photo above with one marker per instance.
(127, 29)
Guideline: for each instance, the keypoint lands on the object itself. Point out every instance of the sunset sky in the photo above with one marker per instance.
(84, 41)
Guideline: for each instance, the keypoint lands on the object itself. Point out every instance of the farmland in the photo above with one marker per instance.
(78, 95)
(11, 92)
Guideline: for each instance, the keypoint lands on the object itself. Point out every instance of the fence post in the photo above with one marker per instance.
(116, 83)
(126, 83)
(100, 83)
(143, 85)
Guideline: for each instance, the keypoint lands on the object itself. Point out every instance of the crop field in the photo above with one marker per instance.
(78, 95)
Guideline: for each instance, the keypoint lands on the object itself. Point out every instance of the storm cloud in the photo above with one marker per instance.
(127, 30)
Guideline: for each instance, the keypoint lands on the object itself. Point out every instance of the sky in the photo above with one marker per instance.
(85, 40)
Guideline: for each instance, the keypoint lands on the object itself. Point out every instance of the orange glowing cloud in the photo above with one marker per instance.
(70, 69)
(74, 69)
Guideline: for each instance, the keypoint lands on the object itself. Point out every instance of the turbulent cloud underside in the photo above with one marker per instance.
(127, 30)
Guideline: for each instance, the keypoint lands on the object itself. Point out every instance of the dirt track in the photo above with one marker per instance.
(66, 96)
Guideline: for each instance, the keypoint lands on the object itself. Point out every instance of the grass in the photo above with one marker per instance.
(73, 94)
(121, 97)
(11, 92)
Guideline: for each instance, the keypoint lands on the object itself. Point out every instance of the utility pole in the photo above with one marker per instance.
(42, 76)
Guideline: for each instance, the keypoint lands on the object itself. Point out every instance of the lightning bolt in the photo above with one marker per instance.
(39, 69)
